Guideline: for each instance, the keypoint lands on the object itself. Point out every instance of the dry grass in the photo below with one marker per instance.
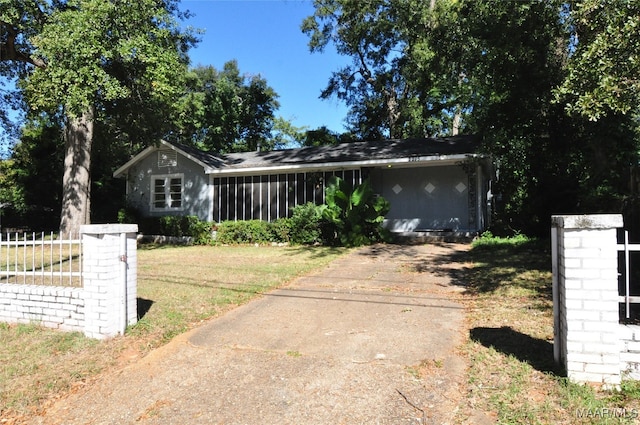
(509, 316)
(178, 287)
(184, 285)
(512, 375)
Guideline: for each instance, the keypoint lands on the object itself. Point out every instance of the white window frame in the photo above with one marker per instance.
(167, 191)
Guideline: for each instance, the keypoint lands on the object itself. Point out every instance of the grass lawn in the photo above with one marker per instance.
(510, 347)
(178, 287)
(509, 317)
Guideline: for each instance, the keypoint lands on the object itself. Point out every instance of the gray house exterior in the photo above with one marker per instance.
(431, 184)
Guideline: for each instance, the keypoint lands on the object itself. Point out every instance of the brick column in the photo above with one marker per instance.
(109, 266)
(586, 297)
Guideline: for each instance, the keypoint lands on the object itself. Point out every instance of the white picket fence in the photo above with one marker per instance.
(87, 284)
(40, 259)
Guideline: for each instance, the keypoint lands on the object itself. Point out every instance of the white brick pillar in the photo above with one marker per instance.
(585, 292)
(109, 271)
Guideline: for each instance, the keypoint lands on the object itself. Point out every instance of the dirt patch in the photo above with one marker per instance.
(372, 338)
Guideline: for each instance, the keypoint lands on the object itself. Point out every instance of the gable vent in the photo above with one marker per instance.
(167, 158)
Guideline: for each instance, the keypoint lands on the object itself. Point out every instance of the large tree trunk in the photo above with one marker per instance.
(76, 181)
(457, 120)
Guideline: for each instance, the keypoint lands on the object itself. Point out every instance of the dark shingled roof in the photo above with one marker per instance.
(344, 152)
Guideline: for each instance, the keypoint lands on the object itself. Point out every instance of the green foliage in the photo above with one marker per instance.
(508, 72)
(355, 214)
(603, 70)
(285, 135)
(72, 58)
(128, 215)
(226, 111)
(280, 230)
(304, 227)
(243, 232)
(392, 94)
(172, 225)
(488, 240)
(372, 86)
(306, 224)
(30, 179)
(322, 136)
(94, 50)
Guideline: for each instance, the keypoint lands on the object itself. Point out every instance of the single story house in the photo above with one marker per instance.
(432, 184)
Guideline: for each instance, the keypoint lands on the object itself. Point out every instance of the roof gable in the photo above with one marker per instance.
(201, 158)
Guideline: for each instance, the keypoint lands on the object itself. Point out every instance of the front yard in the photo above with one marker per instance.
(511, 375)
(510, 347)
(178, 287)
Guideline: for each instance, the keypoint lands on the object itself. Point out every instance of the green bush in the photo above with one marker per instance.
(306, 224)
(178, 226)
(238, 232)
(173, 225)
(355, 213)
(200, 231)
(281, 231)
(128, 214)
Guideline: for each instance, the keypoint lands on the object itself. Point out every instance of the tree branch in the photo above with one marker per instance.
(8, 50)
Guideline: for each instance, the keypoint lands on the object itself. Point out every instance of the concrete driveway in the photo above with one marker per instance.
(369, 339)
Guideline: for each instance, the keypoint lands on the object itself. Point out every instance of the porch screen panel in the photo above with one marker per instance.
(318, 188)
(239, 204)
(282, 196)
(348, 177)
(300, 189)
(244, 198)
(308, 187)
(224, 199)
(273, 197)
(239, 200)
(231, 196)
(216, 200)
(256, 197)
(291, 193)
(264, 198)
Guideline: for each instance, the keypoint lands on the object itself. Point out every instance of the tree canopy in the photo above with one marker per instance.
(604, 66)
(80, 57)
(226, 111)
(550, 86)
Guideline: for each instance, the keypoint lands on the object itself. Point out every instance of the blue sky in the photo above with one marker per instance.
(264, 36)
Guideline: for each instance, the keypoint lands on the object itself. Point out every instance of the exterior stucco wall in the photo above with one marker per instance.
(196, 195)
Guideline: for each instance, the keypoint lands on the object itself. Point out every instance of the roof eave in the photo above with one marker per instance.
(143, 154)
(405, 162)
